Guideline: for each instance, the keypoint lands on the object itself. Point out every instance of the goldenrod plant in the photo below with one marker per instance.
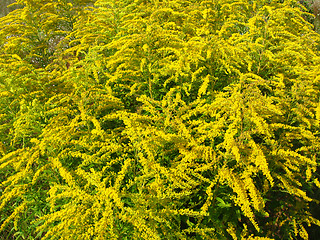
(164, 119)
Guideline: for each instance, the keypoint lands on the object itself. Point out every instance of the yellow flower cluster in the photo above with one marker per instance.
(158, 119)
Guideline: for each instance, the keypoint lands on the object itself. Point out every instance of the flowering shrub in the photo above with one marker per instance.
(158, 120)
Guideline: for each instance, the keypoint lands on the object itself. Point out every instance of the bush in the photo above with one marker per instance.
(158, 120)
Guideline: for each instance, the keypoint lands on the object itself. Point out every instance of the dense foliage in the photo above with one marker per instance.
(146, 119)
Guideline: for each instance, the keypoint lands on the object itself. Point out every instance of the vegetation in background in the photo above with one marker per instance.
(144, 119)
